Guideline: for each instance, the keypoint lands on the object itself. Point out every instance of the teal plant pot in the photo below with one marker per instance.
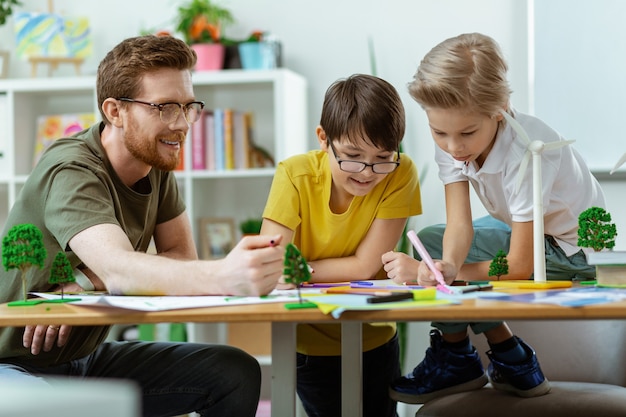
(258, 55)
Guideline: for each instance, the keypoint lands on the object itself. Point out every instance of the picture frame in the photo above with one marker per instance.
(4, 64)
(217, 237)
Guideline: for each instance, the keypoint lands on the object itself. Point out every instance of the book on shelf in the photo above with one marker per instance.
(209, 139)
(218, 121)
(53, 127)
(229, 159)
(198, 155)
(241, 139)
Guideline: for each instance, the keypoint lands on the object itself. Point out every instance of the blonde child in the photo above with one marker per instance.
(462, 86)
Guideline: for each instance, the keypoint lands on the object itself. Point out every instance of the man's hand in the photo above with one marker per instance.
(254, 266)
(44, 336)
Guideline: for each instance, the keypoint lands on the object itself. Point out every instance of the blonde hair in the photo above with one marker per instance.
(465, 72)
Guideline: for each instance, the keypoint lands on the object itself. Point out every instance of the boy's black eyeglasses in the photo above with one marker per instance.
(168, 112)
(356, 166)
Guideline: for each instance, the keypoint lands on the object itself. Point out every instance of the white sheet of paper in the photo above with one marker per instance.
(160, 303)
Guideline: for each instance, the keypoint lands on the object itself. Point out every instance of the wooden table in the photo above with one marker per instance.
(284, 325)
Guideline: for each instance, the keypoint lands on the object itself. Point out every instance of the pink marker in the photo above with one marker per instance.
(421, 250)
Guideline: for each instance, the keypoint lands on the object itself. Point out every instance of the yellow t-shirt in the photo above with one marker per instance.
(299, 199)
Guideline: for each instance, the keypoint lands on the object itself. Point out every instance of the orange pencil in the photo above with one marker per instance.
(361, 291)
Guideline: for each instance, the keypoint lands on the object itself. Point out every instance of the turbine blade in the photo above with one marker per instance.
(522, 170)
(516, 127)
(619, 163)
(556, 145)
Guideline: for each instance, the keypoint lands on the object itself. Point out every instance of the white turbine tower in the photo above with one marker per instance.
(535, 148)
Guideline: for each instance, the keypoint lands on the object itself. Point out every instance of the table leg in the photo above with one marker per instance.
(351, 369)
(283, 369)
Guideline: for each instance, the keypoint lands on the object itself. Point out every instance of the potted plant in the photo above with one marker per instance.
(6, 8)
(201, 23)
(260, 51)
(251, 226)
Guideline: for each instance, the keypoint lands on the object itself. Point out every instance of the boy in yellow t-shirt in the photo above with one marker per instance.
(344, 206)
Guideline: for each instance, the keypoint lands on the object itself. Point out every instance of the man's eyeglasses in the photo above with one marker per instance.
(168, 112)
(357, 166)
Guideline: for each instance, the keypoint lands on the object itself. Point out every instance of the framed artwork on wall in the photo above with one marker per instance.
(217, 236)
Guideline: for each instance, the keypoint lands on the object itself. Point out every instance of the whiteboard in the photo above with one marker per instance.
(580, 75)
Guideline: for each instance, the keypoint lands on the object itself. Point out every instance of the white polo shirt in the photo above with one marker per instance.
(569, 188)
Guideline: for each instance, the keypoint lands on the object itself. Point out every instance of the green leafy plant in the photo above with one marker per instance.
(251, 226)
(6, 9)
(296, 269)
(22, 248)
(595, 229)
(499, 265)
(61, 271)
(202, 21)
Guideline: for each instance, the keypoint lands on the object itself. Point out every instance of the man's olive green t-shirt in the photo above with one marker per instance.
(72, 188)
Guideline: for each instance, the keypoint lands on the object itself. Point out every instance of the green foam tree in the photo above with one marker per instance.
(23, 248)
(296, 269)
(595, 229)
(61, 271)
(499, 265)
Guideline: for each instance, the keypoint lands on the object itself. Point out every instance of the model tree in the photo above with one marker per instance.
(595, 229)
(296, 269)
(61, 271)
(499, 265)
(23, 248)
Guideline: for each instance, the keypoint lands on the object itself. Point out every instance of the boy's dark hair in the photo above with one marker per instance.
(364, 107)
(121, 70)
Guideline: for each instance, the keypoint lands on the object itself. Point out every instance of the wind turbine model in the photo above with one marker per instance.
(535, 148)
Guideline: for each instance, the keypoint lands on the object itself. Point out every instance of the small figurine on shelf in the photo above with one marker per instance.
(296, 269)
(595, 229)
(61, 273)
(23, 248)
(499, 265)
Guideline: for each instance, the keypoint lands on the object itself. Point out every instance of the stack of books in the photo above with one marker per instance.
(223, 140)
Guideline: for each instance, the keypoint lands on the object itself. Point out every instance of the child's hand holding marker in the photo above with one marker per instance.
(441, 286)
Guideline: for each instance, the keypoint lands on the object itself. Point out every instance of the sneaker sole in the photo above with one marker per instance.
(539, 390)
(423, 398)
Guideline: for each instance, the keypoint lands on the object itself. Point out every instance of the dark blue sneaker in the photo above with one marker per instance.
(442, 372)
(524, 379)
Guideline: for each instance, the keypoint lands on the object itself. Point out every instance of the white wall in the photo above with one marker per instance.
(326, 40)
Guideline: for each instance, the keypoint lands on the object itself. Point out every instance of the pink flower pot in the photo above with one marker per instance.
(210, 56)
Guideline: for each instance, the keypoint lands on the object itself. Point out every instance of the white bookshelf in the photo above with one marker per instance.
(276, 98)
